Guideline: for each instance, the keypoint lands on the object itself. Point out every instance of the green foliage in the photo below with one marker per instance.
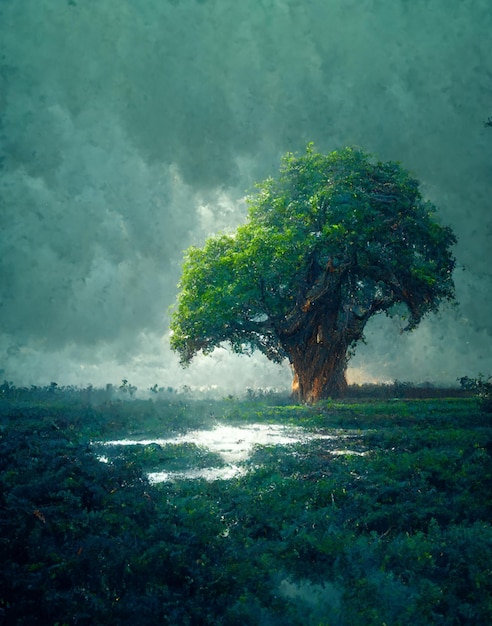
(482, 387)
(310, 535)
(172, 456)
(338, 232)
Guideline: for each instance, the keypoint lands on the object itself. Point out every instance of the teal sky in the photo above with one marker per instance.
(129, 130)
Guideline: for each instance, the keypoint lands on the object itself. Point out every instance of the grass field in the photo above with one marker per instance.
(381, 514)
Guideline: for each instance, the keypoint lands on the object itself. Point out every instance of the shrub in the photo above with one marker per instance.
(482, 386)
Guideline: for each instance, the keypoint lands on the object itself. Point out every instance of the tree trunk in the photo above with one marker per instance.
(318, 346)
(319, 372)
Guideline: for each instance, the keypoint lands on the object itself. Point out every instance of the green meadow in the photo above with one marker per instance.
(379, 512)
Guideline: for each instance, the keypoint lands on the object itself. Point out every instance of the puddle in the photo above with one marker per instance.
(234, 444)
(207, 473)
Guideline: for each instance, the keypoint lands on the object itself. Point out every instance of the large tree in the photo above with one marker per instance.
(328, 243)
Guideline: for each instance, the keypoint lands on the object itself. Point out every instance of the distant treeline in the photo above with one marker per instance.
(465, 387)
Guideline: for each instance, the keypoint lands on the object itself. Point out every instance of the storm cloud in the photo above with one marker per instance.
(130, 130)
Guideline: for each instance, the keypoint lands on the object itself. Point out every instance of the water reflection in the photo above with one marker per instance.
(207, 473)
(234, 444)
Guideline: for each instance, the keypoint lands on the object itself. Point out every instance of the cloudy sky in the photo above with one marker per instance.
(130, 130)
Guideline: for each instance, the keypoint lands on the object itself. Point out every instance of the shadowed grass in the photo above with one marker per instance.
(312, 534)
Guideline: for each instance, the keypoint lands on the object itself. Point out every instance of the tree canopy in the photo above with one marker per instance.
(328, 243)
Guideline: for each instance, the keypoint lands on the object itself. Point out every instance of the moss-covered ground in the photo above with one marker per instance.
(311, 536)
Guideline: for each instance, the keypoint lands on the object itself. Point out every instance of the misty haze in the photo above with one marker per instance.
(129, 133)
